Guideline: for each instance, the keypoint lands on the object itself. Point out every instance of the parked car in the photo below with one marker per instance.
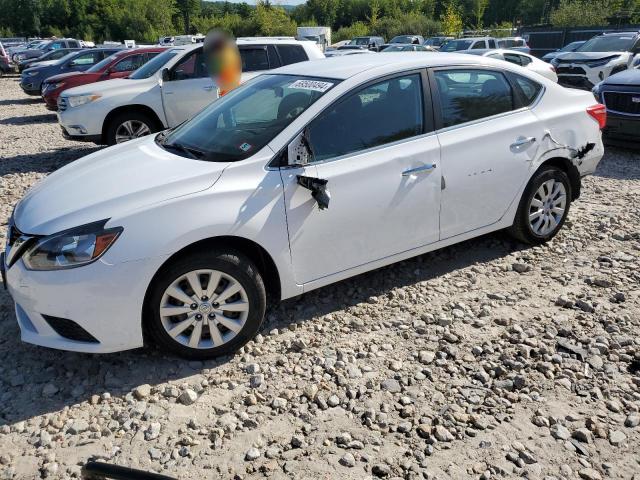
(521, 59)
(5, 66)
(571, 47)
(50, 56)
(620, 93)
(348, 51)
(410, 47)
(32, 78)
(285, 185)
(369, 42)
(415, 39)
(436, 42)
(518, 44)
(472, 43)
(119, 65)
(165, 92)
(43, 48)
(602, 56)
(24, 46)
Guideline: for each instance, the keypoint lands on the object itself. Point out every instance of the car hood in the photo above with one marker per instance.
(586, 56)
(111, 183)
(46, 63)
(117, 85)
(627, 77)
(66, 76)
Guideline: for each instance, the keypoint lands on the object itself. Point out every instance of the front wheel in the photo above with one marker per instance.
(128, 126)
(206, 305)
(544, 207)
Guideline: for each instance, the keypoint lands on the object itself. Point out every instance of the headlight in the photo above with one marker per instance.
(602, 62)
(596, 92)
(20, 57)
(71, 248)
(33, 74)
(77, 100)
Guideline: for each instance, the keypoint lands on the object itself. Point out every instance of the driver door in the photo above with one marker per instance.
(189, 88)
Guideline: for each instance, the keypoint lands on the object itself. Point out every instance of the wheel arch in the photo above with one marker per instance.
(255, 252)
(139, 108)
(569, 168)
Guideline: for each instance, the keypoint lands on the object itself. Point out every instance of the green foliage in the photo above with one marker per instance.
(572, 13)
(479, 9)
(406, 23)
(451, 20)
(358, 29)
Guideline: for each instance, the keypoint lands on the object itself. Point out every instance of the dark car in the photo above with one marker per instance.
(43, 48)
(571, 47)
(370, 42)
(436, 42)
(620, 93)
(32, 78)
(47, 57)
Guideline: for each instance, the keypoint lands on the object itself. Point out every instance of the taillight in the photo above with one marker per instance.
(599, 114)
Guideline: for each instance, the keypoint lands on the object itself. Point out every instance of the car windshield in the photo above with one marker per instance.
(102, 64)
(360, 41)
(456, 45)
(609, 43)
(402, 39)
(152, 66)
(571, 47)
(242, 122)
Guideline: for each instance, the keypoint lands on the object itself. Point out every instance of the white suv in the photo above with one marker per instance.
(599, 58)
(165, 92)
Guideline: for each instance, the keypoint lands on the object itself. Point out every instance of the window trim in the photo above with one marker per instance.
(428, 121)
(518, 99)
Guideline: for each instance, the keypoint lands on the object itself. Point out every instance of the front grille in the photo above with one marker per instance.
(69, 329)
(571, 71)
(623, 102)
(62, 104)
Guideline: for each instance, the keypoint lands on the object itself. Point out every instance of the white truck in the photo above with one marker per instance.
(164, 92)
(320, 35)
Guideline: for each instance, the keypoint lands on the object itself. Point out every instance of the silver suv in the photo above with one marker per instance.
(599, 58)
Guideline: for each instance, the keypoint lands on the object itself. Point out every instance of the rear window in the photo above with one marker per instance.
(292, 54)
(529, 89)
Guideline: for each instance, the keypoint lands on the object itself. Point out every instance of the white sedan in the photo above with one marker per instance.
(300, 178)
(521, 59)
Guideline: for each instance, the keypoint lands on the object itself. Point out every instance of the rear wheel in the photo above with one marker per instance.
(544, 206)
(206, 305)
(128, 126)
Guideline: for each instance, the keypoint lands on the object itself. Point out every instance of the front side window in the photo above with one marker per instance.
(242, 122)
(468, 95)
(151, 67)
(132, 62)
(190, 67)
(382, 113)
(84, 59)
(254, 59)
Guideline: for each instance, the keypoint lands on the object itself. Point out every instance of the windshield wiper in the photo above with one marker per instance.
(190, 152)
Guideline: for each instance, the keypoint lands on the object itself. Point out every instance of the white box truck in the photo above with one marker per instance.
(320, 35)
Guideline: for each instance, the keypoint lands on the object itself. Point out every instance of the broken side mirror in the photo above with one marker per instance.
(299, 151)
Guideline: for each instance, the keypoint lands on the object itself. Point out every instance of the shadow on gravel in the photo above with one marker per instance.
(44, 118)
(20, 101)
(619, 164)
(43, 162)
(72, 377)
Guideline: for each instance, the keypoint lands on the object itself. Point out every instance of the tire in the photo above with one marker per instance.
(117, 126)
(539, 219)
(217, 332)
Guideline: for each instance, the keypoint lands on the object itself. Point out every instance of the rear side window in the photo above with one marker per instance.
(492, 43)
(395, 104)
(478, 45)
(73, 44)
(292, 54)
(254, 59)
(87, 59)
(468, 95)
(529, 90)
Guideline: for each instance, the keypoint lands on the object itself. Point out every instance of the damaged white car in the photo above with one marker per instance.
(300, 178)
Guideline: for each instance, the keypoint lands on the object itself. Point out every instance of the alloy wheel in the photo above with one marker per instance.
(204, 309)
(131, 129)
(548, 207)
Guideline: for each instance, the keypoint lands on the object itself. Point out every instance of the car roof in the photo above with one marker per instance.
(627, 32)
(124, 51)
(342, 68)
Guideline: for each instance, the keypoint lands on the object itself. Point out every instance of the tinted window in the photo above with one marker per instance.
(274, 59)
(190, 67)
(86, 59)
(478, 45)
(254, 59)
(609, 43)
(132, 62)
(73, 44)
(154, 65)
(467, 95)
(528, 89)
(56, 45)
(492, 44)
(292, 54)
(375, 115)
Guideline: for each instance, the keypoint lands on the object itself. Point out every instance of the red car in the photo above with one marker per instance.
(118, 65)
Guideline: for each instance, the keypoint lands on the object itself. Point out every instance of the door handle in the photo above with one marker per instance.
(523, 142)
(419, 170)
(208, 88)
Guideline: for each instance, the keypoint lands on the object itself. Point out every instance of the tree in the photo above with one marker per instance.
(188, 9)
(573, 13)
(479, 8)
(451, 20)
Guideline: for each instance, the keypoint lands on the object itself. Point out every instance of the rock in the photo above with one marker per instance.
(252, 454)
(347, 460)
(78, 426)
(188, 397)
(142, 391)
(442, 434)
(589, 474)
(616, 437)
(560, 432)
(521, 267)
(426, 357)
(583, 435)
(632, 421)
(381, 470)
(391, 385)
(333, 401)
(152, 432)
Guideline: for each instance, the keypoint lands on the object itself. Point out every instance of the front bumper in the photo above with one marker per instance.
(105, 300)
(31, 86)
(622, 130)
(82, 123)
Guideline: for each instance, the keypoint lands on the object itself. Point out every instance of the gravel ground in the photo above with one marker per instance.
(483, 360)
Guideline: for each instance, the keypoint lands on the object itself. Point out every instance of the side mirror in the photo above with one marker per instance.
(165, 75)
(299, 152)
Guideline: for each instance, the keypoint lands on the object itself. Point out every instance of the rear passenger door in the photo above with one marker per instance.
(489, 138)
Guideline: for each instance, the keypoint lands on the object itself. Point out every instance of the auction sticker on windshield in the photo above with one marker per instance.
(315, 85)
